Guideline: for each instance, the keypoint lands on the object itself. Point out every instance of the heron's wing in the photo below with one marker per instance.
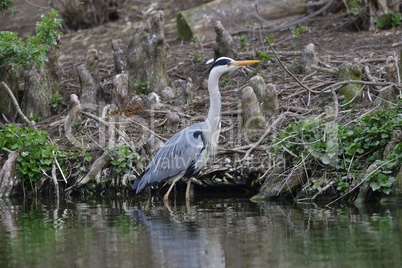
(182, 155)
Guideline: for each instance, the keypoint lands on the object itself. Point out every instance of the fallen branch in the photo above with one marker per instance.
(267, 131)
(103, 122)
(324, 70)
(358, 185)
(298, 21)
(96, 168)
(323, 189)
(144, 127)
(286, 69)
(17, 107)
(369, 83)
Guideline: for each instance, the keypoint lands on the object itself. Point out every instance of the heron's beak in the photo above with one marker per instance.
(245, 62)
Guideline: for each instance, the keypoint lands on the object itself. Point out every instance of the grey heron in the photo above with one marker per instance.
(187, 151)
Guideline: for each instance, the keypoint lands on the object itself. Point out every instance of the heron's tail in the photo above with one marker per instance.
(138, 185)
(135, 185)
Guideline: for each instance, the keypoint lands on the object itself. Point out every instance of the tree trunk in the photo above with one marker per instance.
(91, 92)
(378, 8)
(10, 77)
(146, 56)
(41, 84)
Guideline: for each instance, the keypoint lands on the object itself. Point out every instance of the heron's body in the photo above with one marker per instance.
(183, 155)
(187, 152)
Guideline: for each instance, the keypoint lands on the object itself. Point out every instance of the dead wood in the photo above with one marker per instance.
(234, 15)
(80, 15)
(308, 59)
(90, 89)
(351, 71)
(281, 26)
(9, 76)
(167, 94)
(72, 116)
(119, 58)
(146, 54)
(94, 171)
(224, 46)
(266, 95)
(263, 136)
(172, 122)
(55, 182)
(41, 83)
(252, 117)
(388, 96)
(8, 174)
(186, 93)
(152, 101)
(120, 94)
(16, 105)
(152, 145)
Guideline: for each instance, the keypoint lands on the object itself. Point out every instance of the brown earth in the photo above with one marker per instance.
(334, 42)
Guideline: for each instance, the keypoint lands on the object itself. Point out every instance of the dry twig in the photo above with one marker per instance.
(17, 107)
(267, 131)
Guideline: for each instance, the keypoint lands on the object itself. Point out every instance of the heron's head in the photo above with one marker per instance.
(224, 65)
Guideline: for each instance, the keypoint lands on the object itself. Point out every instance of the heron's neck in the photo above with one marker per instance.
(214, 114)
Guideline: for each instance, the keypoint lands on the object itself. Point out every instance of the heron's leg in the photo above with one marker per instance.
(166, 196)
(174, 180)
(188, 189)
(166, 203)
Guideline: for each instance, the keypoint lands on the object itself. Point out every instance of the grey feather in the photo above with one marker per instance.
(184, 151)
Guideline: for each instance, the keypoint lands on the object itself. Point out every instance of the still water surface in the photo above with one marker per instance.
(212, 232)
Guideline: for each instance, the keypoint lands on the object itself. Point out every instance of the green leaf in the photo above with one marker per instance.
(375, 186)
(386, 190)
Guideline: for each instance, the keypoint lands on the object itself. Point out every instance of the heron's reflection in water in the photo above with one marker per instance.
(179, 243)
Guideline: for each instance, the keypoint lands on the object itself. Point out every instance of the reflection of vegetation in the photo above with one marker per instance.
(49, 236)
(94, 232)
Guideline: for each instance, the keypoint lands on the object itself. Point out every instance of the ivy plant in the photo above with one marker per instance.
(122, 158)
(37, 153)
(346, 149)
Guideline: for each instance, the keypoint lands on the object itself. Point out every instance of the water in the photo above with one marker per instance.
(211, 232)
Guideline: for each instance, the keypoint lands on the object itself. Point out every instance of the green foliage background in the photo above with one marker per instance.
(15, 50)
(347, 149)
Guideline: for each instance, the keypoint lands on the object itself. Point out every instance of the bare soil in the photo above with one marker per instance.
(334, 41)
